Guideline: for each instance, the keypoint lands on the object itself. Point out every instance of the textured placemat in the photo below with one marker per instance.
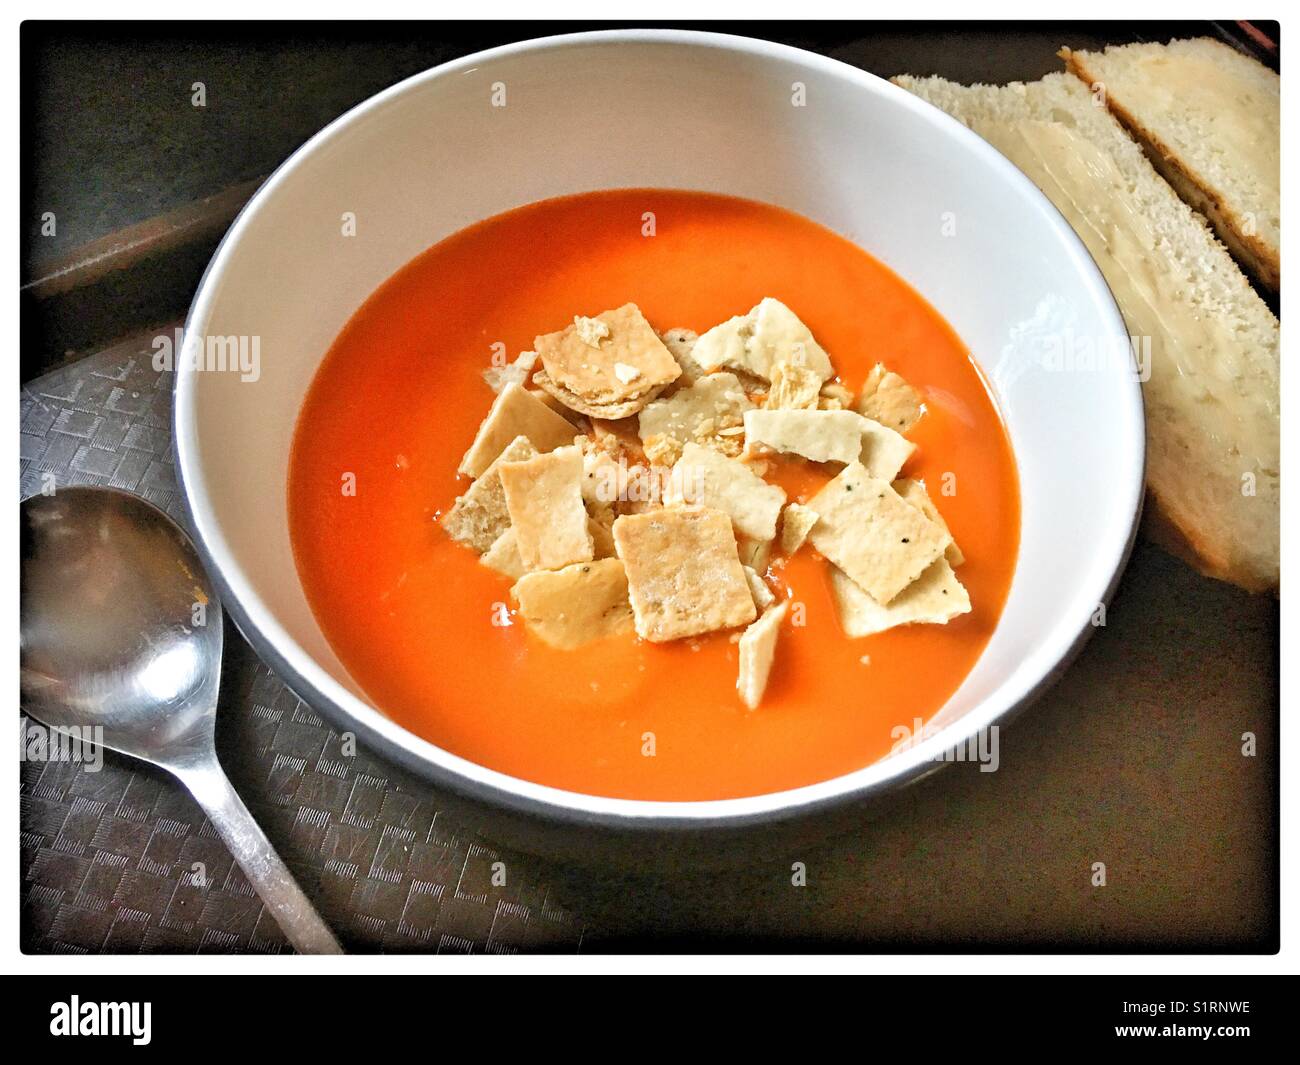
(122, 860)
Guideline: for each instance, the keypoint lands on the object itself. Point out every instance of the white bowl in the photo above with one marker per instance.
(681, 110)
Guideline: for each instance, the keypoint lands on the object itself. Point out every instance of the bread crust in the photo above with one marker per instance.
(1260, 260)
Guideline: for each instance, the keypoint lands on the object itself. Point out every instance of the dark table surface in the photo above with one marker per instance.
(1134, 760)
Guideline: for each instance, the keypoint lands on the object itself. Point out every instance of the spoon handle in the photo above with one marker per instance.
(267, 874)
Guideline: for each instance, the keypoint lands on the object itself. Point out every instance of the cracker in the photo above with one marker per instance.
(604, 477)
(580, 422)
(680, 342)
(797, 521)
(610, 482)
(793, 388)
(870, 532)
(602, 538)
(914, 492)
(763, 595)
(479, 516)
(933, 599)
(684, 576)
(755, 554)
(890, 400)
(503, 556)
(662, 450)
(770, 333)
(617, 437)
(699, 412)
(544, 498)
(581, 405)
(497, 377)
(757, 650)
(514, 413)
(609, 366)
(834, 396)
(884, 452)
(703, 476)
(575, 605)
(818, 435)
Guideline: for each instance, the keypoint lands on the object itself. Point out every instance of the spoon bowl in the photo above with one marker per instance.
(120, 627)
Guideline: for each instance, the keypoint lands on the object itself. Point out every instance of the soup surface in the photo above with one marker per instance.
(416, 618)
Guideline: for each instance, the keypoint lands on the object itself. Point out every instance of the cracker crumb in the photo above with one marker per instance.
(662, 450)
(591, 331)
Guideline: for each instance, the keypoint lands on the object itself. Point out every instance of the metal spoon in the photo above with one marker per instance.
(121, 643)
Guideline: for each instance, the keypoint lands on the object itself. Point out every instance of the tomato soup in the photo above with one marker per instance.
(417, 620)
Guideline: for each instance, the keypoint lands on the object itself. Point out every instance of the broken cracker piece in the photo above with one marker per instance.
(580, 422)
(681, 343)
(684, 576)
(834, 396)
(662, 450)
(619, 438)
(602, 538)
(770, 333)
(797, 521)
(933, 598)
(503, 556)
(794, 387)
(616, 480)
(479, 517)
(544, 498)
(612, 378)
(914, 492)
(755, 554)
(757, 650)
(884, 452)
(763, 595)
(497, 377)
(890, 400)
(575, 605)
(580, 405)
(817, 435)
(514, 413)
(704, 476)
(868, 530)
(704, 412)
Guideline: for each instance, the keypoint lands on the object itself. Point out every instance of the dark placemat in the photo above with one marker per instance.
(122, 860)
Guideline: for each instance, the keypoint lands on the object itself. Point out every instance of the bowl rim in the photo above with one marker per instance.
(492, 788)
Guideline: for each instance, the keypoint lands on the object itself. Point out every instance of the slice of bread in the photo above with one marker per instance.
(1210, 119)
(1212, 406)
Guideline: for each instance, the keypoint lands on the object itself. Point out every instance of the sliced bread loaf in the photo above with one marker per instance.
(1212, 395)
(1210, 119)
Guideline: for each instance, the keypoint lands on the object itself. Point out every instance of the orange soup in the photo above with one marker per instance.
(416, 618)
